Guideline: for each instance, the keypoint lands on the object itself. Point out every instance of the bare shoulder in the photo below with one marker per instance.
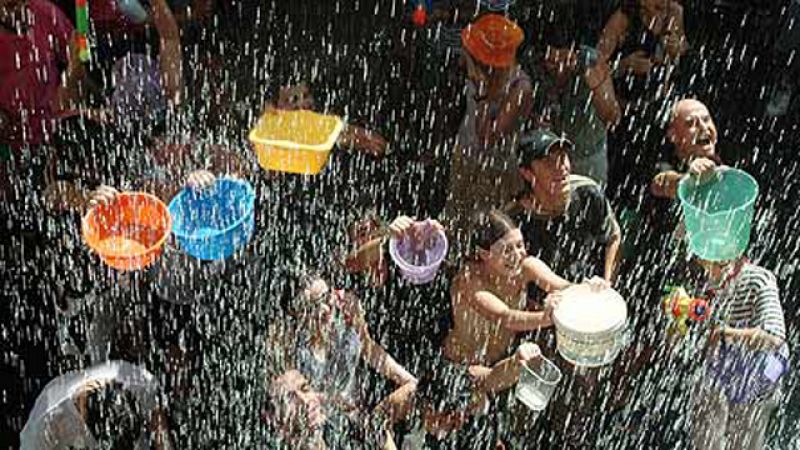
(466, 283)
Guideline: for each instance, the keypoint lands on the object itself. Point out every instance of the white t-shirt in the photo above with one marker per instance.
(55, 423)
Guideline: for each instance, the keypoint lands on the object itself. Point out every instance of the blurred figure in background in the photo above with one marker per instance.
(575, 96)
(499, 100)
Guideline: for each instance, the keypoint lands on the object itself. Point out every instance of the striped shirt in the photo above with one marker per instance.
(751, 301)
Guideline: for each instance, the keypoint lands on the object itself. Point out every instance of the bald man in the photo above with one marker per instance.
(693, 134)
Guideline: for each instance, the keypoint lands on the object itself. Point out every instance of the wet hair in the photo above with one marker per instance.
(114, 417)
(298, 279)
(488, 228)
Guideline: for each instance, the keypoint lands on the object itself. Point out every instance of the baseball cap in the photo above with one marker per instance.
(538, 143)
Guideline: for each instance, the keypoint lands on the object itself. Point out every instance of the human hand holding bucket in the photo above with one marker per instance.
(418, 250)
(745, 375)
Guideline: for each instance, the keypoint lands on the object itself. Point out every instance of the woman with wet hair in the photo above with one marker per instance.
(323, 340)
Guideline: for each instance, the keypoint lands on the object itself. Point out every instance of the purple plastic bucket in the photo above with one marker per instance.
(419, 261)
(746, 375)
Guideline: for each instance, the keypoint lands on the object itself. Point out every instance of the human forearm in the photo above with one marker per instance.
(170, 53)
(520, 321)
(612, 258)
(604, 99)
(386, 365)
(665, 184)
(752, 337)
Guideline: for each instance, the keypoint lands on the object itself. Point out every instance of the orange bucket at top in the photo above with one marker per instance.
(129, 232)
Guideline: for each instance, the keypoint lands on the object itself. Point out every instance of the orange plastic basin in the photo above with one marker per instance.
(129, 232)
(295, 141)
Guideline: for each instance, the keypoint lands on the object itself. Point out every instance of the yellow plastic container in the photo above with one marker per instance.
(295, 141)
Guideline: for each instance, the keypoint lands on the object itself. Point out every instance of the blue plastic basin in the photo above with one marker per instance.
(214, 222)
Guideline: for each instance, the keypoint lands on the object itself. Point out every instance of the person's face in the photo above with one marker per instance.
(295, 97)
(560, 61)
(12, 13)
(693, 131)
(319, 310)
(301, 412)
(504, 257)
(714, 270)
(550, 175)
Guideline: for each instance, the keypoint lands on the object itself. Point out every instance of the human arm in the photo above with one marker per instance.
(372, 352)
(665, 184)
(612, 257)
(516, 108)
(753, 337)
(492, 308)
(363, 140)
(674, 38)
(170, 55)
(69, 92)
(535, 270)
(611, 36)
(768, 330)
(604, 98)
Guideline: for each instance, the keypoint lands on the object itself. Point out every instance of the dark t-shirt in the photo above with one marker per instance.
(409, 321)
(573, 244)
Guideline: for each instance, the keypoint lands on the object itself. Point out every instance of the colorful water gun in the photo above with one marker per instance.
(683, 310)
(421, 10)
(82, 24)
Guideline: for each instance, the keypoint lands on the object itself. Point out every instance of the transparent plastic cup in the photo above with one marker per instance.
(537, 381)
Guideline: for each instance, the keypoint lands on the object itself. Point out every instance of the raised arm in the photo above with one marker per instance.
(492, 308)
(372, 352)
(604, 98)
(517, 107)
(170, 55)
(535, 270)
(612, 254)
(611, 36)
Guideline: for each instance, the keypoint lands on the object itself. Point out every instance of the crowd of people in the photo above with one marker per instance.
(546, 139)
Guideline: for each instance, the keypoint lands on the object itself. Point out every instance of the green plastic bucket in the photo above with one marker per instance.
(718, 213)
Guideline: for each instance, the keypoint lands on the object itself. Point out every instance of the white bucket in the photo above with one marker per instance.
(590, 325)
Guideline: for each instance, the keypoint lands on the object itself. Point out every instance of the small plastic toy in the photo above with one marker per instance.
(683, 310)
(82, 25)
(421, 10)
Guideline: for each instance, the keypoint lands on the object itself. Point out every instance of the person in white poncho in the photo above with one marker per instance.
(110, 405)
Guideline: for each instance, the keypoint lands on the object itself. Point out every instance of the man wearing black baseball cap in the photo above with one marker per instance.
(565, 217)
(568, 223)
